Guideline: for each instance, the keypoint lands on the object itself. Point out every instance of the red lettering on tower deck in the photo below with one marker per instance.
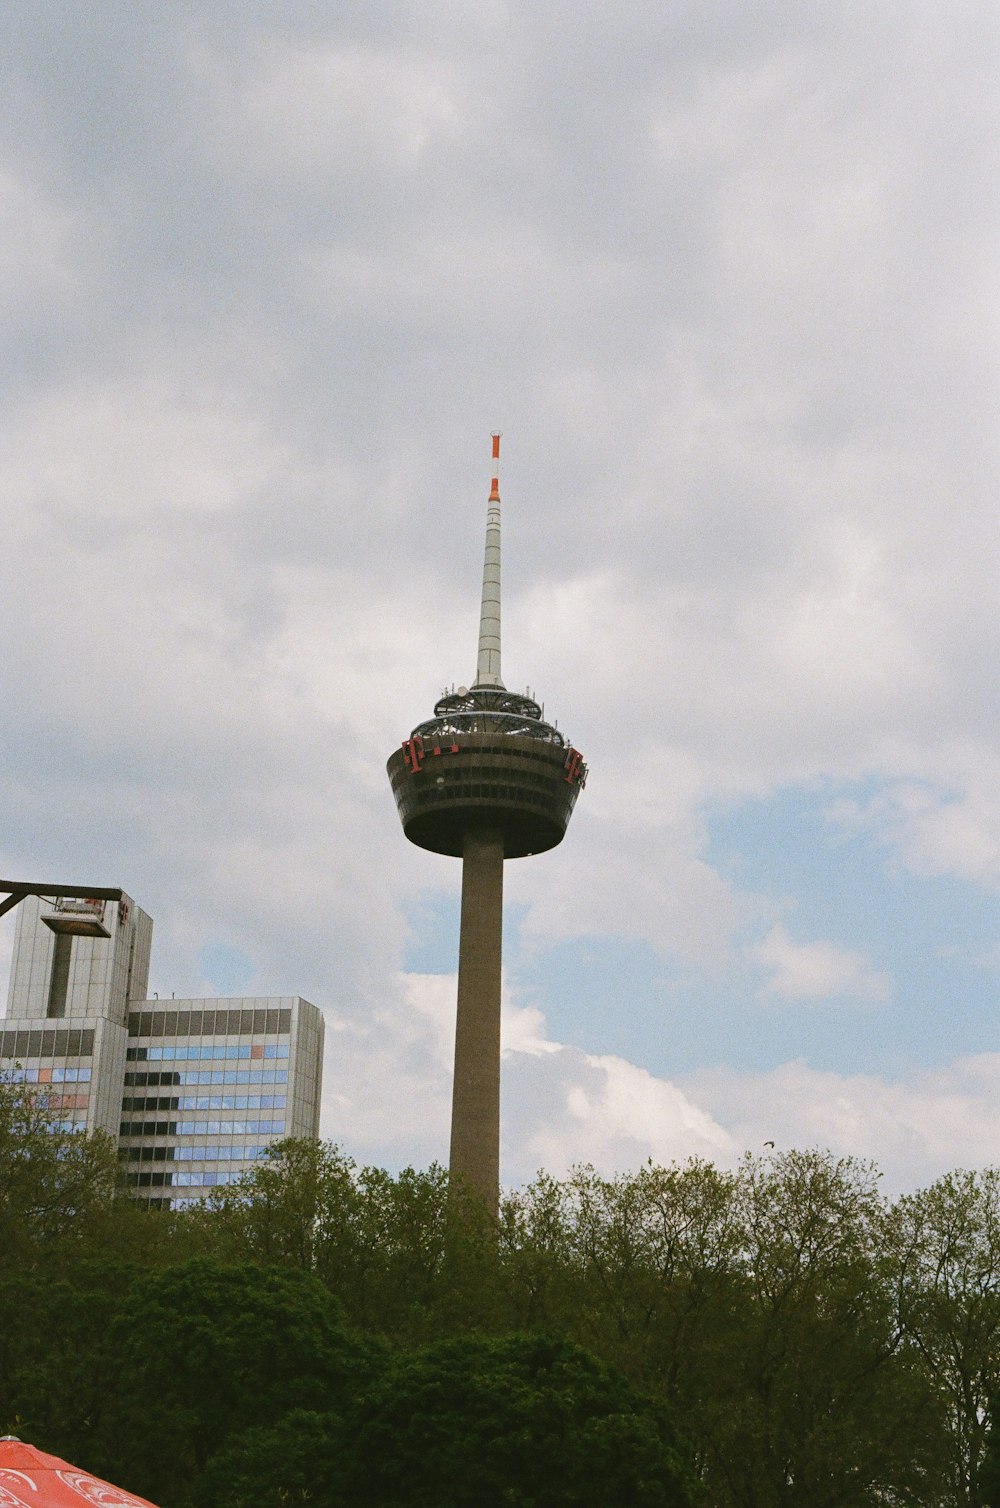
(575, 768)
(413, 752)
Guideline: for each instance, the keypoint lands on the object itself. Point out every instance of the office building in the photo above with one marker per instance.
(194, 1091)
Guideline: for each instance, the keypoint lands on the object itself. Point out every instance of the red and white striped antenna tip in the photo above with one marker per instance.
(495, 489)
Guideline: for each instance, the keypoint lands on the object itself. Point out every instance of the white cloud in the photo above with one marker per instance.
(652, 885)
(604, 1110)
(932, 831)
(818, 970)
(915, 1128)
(731, 296)
(314, 108)
(388, 1092)
(41, 251)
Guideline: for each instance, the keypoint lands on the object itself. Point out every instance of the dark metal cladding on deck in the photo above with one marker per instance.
(447, 780)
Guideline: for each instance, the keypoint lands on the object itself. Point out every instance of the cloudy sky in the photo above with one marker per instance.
(726, 277)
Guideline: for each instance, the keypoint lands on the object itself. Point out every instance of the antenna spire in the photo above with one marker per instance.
(488, 666)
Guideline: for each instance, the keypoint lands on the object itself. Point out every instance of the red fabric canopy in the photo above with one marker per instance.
(31, 1479)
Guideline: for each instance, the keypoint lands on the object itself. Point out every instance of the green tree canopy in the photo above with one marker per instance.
(55, 1185)
(948, 1242)
(468, 1423)
(815, 1344)
(203, 1350)
(406, 1254)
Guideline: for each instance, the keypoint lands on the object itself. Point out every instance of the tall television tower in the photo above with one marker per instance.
(485, 779)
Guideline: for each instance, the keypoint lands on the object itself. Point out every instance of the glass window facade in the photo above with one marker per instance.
(203, 1062)
(205, 1101)
(50, 1073)
(209, 1076)
(62, 1088)
(207, 1051)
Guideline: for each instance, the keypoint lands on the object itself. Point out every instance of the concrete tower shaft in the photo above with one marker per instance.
(485, 779)
(475, 1098)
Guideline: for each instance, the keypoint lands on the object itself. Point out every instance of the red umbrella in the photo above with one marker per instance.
(31, 1479)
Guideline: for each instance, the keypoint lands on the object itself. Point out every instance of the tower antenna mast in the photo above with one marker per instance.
(488, 664)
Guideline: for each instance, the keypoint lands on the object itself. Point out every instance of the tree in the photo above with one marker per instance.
(948, 1241)
(406, 1255)
(989, 1469)
(55, 1185)
(631, 1264)
(278, 1212)
(468, 1423)
(815, 1401)
(523, 1420)
(56, 1364)
(203, 1351)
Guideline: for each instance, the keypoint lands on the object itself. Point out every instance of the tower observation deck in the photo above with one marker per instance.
(485, 779)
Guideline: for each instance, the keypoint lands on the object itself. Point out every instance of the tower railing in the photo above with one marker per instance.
(510, 724)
